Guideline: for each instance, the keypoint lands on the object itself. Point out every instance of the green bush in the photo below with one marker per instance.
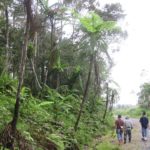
(107, 146)
(52, 116)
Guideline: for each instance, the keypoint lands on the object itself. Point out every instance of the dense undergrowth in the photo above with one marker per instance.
(107, 146)
(48, 119)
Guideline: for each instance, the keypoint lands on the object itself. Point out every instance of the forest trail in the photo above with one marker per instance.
(136, 143)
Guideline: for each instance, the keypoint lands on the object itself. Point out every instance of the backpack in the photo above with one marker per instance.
(128, 124)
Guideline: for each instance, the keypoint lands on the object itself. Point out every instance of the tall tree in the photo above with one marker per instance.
(10, 134)
(93, 24)
(144, 95)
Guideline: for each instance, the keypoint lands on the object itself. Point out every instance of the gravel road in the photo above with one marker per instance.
(136, 143)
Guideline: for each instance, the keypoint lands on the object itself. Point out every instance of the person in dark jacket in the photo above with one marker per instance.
(119, 129)
(144, 125)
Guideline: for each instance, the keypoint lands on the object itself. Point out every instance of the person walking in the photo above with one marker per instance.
(119, 124)
(128, 126)
(144, 125)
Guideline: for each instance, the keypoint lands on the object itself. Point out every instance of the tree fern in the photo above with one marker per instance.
(94, 23)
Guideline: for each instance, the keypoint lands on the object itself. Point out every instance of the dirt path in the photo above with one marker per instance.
(136, 143)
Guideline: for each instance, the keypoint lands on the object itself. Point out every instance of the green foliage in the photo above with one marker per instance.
(53, 117)
(49, 94)
(144, 95)
(94, 23)
(36, 111)
(6, 109)
(8, 85)
(107, 146)
(58, 140)
(2, 62)
(45, 104)
(44, 4)
(74, 76)
(134, 112)
(59, 67)
(27, 135)
(30, 50)
(82, 135)
(25, 93)
(50, 114)
(4, 3)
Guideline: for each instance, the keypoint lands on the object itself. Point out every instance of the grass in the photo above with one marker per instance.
(107, 146)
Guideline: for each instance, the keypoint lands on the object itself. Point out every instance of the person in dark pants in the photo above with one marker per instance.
(119, 129)
(128, 126)
(144, 125)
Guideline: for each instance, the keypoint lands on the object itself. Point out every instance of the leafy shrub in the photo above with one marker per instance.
(52, 116)
(107, 146)
(8, 85)
(58, 140)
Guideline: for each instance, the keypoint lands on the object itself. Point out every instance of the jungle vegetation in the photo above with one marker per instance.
(55, 72)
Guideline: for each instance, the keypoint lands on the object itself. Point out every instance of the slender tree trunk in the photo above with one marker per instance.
(97, 86)
(59, 51)
(107, 101)
(52, 30)
(45, 75)
(7, 41)
(58, 80)
(42, 76)
(33, 60)
(9, 132)
(22, 64)
(35, 43)
(81, 82)
(97, 77)
(84, 94)
(35, 74)
(111, 102)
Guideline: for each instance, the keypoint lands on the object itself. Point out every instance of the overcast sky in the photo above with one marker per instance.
(132, 63)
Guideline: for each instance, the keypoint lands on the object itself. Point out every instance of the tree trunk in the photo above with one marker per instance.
(107, 101)
(9, 132)
(22, 65)
(35, 74)
(58, 80)
(97, 83)
(111, 102)
(84, 94)
(97, 77)
(7, 41)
